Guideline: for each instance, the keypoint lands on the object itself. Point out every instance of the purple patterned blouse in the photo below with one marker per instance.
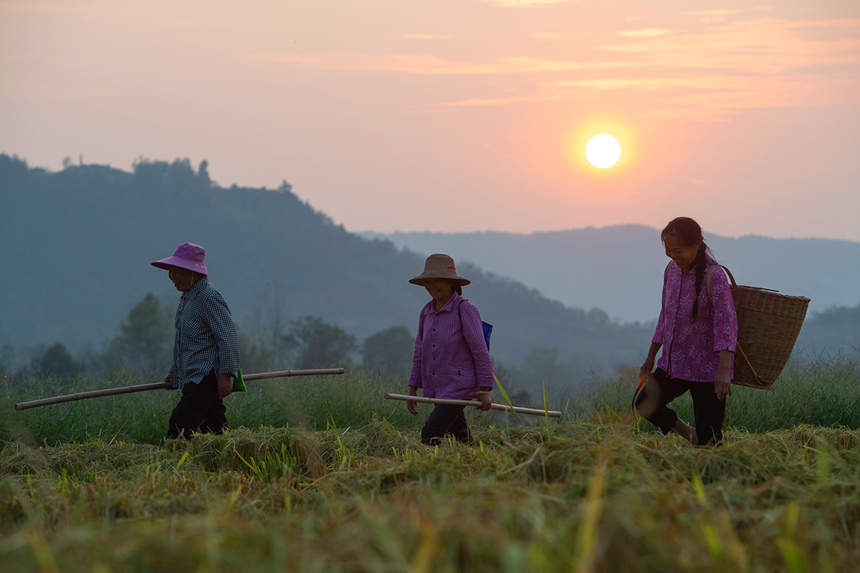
(451, 359)
(691, 349)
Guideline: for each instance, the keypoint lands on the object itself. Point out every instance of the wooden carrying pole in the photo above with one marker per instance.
(160, 385)
(288, 373)
(502, 407)
(91, 394)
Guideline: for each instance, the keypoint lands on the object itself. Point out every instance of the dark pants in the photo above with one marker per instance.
(660, 390)
(445, 419)
(199, 410)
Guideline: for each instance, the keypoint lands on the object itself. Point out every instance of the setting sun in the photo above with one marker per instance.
(603, 151)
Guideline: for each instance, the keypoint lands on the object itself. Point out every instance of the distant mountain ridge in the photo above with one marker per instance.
(79, 243)
(77, 246)
(619, 269)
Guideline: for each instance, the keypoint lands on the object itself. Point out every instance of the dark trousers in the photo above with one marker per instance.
(652, 404)
(445, 419)
(199, 410)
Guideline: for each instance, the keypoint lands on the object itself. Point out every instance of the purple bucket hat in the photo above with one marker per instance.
(186, 256)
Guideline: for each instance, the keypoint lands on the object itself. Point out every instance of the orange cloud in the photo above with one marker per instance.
(524, 3)
(707, 74)
(552, 36)
(425, 36)
(645, 33)
(429, 64)
(714, 98)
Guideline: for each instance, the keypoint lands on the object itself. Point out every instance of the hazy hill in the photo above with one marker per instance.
(619, 269)
(77, 244)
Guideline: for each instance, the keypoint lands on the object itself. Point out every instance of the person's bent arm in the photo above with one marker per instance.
(226, 341)
(415, 373)
(484, 398)
(648, 366)
(412, 407)
(225, 385)
(723, 381)
(473, 335)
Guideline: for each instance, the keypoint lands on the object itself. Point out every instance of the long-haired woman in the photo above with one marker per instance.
(698, 331)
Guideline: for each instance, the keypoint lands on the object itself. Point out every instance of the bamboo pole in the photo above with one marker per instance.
(450, 402)
(288, 373)
(90, 394)
(160, 385)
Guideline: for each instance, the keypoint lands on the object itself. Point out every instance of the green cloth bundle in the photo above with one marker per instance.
(238, 382)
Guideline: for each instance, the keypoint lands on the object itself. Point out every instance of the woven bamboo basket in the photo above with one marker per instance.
(768, 326)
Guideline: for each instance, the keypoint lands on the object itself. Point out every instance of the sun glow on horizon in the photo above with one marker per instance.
(603, 151)
(604, 148)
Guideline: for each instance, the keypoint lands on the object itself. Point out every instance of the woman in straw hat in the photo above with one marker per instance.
(205, 349)
(698, 332)
(451, 359)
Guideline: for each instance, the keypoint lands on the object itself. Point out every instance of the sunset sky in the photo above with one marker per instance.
(460, 115)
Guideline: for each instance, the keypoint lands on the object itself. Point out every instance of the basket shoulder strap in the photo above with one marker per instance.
(740, 350)
(460, 313)
(711, 271)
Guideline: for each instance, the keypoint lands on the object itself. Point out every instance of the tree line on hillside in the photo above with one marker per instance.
(279, 254)
(143, 344)
(292, 276)
(831, 332)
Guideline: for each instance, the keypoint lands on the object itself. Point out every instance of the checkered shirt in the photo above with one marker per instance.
(205, 336)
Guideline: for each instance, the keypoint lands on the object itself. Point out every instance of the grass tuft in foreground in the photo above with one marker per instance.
(303, 484)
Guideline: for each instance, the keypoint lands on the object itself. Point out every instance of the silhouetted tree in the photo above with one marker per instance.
(254, 357)
(145, 339)
(541, 365)
(55, 361)
(834, 330)
(389, 351)
(176, 176)
(267, 323)
(203, 173)
(317, 344)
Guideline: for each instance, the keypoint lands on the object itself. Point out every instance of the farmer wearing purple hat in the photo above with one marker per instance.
(205, 348)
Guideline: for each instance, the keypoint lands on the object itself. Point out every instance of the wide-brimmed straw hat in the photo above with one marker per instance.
(439, 266)
(186, 256)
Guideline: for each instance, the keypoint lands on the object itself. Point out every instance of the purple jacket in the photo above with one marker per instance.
(691, 349)
(451, 359)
